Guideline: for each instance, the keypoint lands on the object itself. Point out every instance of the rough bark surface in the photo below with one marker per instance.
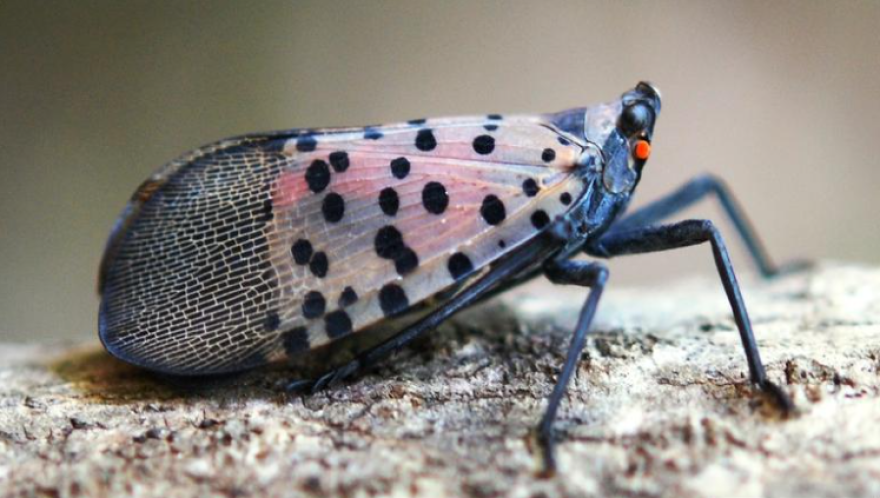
(660, 406)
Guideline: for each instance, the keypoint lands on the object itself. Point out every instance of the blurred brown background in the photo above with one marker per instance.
(781, 99)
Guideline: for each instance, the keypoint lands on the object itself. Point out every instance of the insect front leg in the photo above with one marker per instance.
(692, 192)
(687, 233)
(586, 274)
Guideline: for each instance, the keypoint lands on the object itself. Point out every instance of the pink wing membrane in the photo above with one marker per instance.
(522, 162)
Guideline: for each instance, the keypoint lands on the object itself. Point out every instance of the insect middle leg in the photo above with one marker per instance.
(687, 233)
(692, 192)
(586, 274)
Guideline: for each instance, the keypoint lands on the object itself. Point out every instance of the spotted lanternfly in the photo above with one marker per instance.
(265, 247)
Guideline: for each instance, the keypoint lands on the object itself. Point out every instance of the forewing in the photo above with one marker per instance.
(264, 247)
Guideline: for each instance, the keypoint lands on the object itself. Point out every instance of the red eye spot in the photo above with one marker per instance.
(642, 150)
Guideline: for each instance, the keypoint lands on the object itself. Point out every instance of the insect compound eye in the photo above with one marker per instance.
(634, 119)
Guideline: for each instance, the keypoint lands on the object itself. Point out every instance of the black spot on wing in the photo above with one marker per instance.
(339, 160)
(406, 262)
(540, 219)
(548, 155)
(484, 144)
(314, 305)
(393, 300)
(318, 176)
(319, 264)
(434, 198)
(306, 143)
(333, 207)
(389, 245)
(389, 201)
(459, 265)
(338, 324)
(388, 242)
(302, 251)
(425, 140)
(348, 297)
(372, 134)
(400, 168)
(530, 187)
(493, 210)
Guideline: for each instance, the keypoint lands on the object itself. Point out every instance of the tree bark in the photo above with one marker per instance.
(660, 406)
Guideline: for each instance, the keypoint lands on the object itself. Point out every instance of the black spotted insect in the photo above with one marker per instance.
(265, 247)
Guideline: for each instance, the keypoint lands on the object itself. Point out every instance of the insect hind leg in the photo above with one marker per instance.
(691, 193)
(688, 233)
(586, 274)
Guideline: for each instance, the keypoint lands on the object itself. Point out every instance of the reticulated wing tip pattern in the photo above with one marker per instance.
(189, 285)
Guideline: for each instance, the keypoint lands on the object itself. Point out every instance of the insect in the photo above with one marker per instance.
(268, 246)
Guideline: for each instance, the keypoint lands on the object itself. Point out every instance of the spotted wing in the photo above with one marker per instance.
(368, 225)
(267, 247)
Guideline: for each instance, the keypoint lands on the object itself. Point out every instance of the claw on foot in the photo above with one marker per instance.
(540, 443)
(329, 379)
(780, 397)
